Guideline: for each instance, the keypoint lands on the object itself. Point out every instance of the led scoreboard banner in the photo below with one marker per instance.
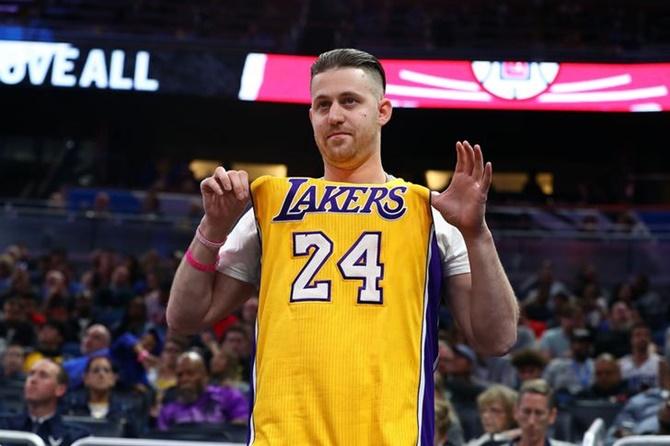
(502, 85)
(457, 84)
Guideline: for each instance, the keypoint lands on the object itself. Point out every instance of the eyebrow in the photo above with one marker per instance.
(344, 93)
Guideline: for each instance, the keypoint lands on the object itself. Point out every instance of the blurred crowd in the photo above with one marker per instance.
(89, 341)
(426, 25)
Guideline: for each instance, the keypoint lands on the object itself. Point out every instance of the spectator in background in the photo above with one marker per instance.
(555, 342)
(529, 365)
(198, 402)
(164, 374)
(96, 342)
(15, 328)
(607, 383)
(643, 368)
(55, 286)
(45, 386)
(6, 270)
(535, 413)
(12, 372)
(634, 418)
(569, 376)
(648, 303)
(50, 338)
(543, 283)
(459, 382)
(496, 410)
(443, 423)
(237, 340)
(613, 335)
(226, 371)
(98, 399)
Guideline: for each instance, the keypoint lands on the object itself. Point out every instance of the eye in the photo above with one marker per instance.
(322, 105)
(350, 100)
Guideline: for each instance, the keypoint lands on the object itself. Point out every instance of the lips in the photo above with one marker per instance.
(336, 134)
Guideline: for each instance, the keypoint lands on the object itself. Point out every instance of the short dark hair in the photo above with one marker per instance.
(539, 387)
(528, 358)
(349, 58)
(62, 376)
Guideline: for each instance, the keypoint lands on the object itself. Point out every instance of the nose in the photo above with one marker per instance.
(335, 115)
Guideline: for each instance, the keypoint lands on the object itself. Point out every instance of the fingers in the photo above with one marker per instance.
(478, 165)
(486, 179)
(459, 157)
(468, 158)
(210, 184)
(240, 183)
(222, 180)
(222, 176)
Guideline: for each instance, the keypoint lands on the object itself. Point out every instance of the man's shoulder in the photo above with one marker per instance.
(553, 442)
(13, 421)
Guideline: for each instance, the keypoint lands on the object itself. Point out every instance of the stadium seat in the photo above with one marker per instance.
(584, 412)
(98, 427)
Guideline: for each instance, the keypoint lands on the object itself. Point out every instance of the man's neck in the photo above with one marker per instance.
(371, 171)
(639, 357)
(42, 410)
(98, 396)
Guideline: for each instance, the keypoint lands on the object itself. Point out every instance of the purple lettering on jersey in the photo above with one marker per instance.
(377, 194)
(352, 198)
(284, 213)
(390, 204)
(330, 199)
(390, 213)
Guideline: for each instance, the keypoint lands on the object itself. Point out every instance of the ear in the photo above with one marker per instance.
(60, 390)
(385, 110)
(552, 416)
(311, 115)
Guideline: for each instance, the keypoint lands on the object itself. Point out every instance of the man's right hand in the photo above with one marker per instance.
(225, 195)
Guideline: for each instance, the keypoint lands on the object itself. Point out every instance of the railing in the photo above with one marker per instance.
(21, 437)
(548, 235)
(595, 434)
(103, 441)
(643, 440)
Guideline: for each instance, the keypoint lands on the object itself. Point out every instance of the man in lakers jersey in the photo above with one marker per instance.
(349, 270)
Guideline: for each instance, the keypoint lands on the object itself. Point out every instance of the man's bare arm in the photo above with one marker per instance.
(483, 301)
(200, 298)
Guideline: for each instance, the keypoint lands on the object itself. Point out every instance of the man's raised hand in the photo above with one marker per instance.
(463, 203)
(225, 195)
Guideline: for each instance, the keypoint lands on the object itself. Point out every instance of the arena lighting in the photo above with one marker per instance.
(202, 168)
(503, 85)
(256, 170)
(546, 182)
(509, 181)
(437, 179)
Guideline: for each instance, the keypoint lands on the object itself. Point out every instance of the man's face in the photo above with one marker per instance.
(12, 360)
(528, 372)
(236, 343)
(94, 339)
(42, 383)
(347, 113)
(640, 339)
(534, 416)
(49, 338)
(607, 374)
(191, 379)
(100, 375)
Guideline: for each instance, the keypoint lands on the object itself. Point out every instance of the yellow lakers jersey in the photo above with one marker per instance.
(346, 327)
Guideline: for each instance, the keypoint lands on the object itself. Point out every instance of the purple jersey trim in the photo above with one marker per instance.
(433, 288)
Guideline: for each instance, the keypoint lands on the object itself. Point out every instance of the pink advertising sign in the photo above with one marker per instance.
(501, 85)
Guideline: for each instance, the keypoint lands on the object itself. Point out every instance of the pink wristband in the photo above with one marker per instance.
(200, 266)
(142, 355)
(199, 236)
